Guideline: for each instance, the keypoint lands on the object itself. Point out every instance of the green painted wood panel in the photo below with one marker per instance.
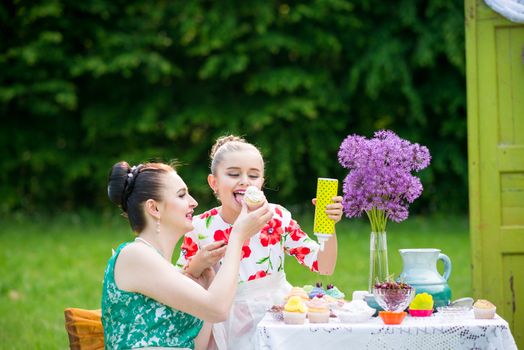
(495, 83)
(513, 273)
(508, 42)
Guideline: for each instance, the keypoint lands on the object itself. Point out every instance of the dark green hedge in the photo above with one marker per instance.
(86, 83)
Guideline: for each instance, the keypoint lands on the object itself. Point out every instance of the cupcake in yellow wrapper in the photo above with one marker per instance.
(318, 311)
(295, 310)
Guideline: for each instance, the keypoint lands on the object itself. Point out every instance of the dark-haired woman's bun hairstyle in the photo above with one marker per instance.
(129, 187)
(117, 182)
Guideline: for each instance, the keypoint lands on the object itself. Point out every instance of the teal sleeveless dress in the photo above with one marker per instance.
(133, 320)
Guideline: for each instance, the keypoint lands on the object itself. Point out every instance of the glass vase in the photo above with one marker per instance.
(378, 259)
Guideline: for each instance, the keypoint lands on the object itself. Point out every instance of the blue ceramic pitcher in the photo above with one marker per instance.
(420, 271)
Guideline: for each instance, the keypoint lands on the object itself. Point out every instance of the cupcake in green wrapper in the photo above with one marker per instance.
(308, 288)
(334, 292)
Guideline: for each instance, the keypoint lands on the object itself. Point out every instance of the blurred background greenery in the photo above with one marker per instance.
(86, 84)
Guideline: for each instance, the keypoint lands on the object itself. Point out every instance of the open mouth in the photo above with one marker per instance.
(239, 196)
(189, 216)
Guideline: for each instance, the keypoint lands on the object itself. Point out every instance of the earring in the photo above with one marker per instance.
(158, 226)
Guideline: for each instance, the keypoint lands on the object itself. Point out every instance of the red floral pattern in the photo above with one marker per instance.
(223, 235)
(259, 274)
(270, 234)
(295, 232)
(246, 251)
(300, 253)
(209, 213)
(189, 248)
(264, 253)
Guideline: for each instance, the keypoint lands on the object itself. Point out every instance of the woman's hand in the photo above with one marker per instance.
(333, 210)
(206, 257)
(249, 223)
(205, 278)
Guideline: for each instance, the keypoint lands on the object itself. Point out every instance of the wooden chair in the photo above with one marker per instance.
(84, 328)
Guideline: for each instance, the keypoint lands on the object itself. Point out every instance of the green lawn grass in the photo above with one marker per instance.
(48, 264)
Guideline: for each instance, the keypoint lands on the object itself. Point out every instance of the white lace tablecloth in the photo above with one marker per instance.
(435, 332)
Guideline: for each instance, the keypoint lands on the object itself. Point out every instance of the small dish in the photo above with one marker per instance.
(355, 311)
(452, 310)
(390, 317)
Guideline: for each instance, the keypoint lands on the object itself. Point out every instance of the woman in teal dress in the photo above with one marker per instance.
(146, 301)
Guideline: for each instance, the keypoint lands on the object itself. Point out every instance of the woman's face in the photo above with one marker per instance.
(237, 171)
(178, 205)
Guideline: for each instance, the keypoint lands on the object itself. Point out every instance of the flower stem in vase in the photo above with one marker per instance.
(378, 259)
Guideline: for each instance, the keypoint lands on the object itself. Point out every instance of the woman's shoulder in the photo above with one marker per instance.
(136, 254)
(137, 262)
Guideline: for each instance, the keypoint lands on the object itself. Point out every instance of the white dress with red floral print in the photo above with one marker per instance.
(264, 253)
(262, 281)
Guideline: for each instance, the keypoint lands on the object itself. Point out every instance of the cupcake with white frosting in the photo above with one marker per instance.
(253, 197)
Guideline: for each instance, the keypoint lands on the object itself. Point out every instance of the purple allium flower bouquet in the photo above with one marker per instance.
(380, 183)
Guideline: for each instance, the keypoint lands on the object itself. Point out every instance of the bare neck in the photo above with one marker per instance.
(228, 215)
(164, 242)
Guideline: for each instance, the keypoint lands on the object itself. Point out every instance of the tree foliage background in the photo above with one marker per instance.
(84, 84)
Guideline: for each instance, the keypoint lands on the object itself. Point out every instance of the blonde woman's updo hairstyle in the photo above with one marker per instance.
(227, 144)
(130, 187)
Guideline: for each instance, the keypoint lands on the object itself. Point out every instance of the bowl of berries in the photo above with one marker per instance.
(394, 298)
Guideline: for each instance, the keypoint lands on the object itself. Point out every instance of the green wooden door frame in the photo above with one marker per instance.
(495, 83)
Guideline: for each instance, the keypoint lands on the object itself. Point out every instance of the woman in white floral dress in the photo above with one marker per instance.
(236, 165)
(146, 301)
